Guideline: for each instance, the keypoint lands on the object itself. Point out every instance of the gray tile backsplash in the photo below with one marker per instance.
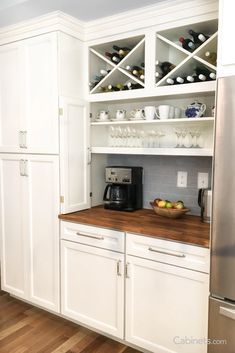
(160, 176)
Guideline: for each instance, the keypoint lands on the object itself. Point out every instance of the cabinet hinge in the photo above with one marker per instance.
(61, 199)
(90, 115)
(61, 111)
(90, 194)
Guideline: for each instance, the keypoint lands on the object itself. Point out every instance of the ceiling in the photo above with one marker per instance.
(13, 11)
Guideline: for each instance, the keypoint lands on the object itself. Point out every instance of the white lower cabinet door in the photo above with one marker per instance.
(30, 228)
(92, 287)
(42, 174)
(166, 307)
(13, 213)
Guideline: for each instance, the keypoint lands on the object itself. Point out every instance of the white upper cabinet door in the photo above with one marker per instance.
(226, 48)
(13, 214)
(165, 304)
(43, 229)
(12, 94)
(41, 97)
(74, 155)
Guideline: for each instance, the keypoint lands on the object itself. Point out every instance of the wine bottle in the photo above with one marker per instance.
(175, 81)
(112, 88)
(199, 37)
(165, 66)
(211, 57)
(180, 79)
(212, 76)
(104, 72)
(115, 57)
(98, 78)
(158, 75)
(137, 71)
(122, 51)
(92, 85)
(119, 86)
(202, 77)
(142, 77)
(187, 44)
(205, 73)
(171, 81)
(193, 78)
(102, 89)
(131, 85)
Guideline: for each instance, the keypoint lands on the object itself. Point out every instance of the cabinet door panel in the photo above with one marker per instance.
(92, 291)
(42, 94)
(226, 50)
(43, 230)
(74, 152)
(13, 242)
(165, 304)
(12, 70)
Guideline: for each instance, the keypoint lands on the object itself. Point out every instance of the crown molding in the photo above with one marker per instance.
(53, 21)
(155, 16)
(171, 12)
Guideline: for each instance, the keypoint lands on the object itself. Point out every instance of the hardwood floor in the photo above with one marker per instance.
(24, 328)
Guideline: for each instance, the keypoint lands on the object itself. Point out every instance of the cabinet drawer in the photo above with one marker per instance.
(179, 254)
(89, 235)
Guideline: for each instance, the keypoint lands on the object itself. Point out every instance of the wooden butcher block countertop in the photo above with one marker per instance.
(188, 229)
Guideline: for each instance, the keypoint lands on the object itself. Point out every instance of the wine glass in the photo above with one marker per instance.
(197, 134)
(178, 133)
(160, 134)
(111, 136)
(184, 133)
(192, 134)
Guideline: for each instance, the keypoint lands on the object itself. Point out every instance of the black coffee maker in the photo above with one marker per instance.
(124, 191)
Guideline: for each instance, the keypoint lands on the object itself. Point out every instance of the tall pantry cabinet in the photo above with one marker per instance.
(44, 153)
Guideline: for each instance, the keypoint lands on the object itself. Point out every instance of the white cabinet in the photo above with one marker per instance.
(92, 282)
(165, 303)
(29, 96)
(30, 228)
(75, 156)
(226, 50)
(13, 239)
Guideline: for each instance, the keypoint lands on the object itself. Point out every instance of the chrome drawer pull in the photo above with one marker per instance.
(227, 312)
(167, 253)
(21, 144)
(99, 237)
(119, 273)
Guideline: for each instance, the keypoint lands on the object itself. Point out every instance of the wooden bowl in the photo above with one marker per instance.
(169, 212)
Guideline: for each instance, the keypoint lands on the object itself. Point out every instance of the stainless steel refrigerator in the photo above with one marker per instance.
(222, 284)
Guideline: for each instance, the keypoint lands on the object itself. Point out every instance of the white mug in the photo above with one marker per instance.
(137, 113)
(120, 114)
(171, 112)
(103, 115)
(163, 111)
(177, 113)
(149, 112)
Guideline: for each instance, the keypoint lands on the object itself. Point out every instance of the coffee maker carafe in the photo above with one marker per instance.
(124, 191)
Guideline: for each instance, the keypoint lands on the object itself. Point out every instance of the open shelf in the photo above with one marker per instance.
(187, 121)
(154, 151)
(163, 91)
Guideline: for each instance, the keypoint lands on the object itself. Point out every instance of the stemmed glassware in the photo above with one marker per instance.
(184, 133)
(130, 137)
(178, 133)
(197, 134)
(192, 134)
